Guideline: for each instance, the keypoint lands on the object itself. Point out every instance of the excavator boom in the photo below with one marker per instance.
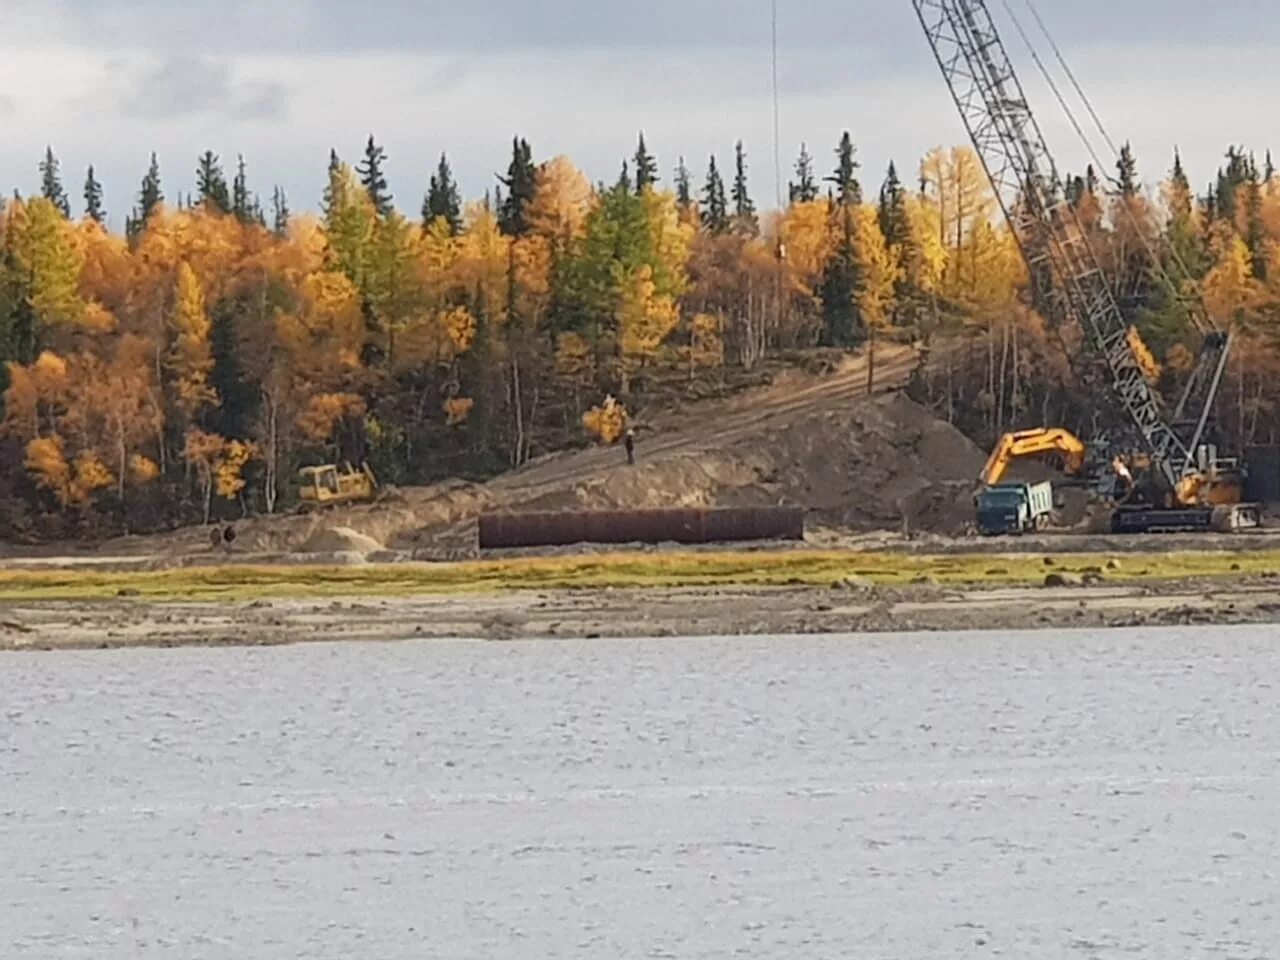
(1034, 443)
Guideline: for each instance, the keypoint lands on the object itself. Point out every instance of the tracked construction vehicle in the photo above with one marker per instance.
(1170, 476)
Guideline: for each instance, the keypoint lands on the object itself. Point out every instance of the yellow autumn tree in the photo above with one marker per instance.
(1230, 289)
(645, 319)
(324, 411)
(561, 202)
(807, 245)
(72, 483)
(927, 265)
(606, 422)
(190, 360)
(47, 261)
(877, 269)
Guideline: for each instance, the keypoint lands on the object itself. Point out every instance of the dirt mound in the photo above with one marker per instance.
(861, 464)
(340, 540)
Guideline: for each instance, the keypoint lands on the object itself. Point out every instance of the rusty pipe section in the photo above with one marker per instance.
(688, 526)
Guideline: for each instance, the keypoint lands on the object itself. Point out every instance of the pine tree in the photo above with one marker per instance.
(684, 186)
(744, 210)
(805, 188)
(334, 160)
(1127, 167)
(93, 198)
(211, 183)
(443, 198)
(521, 182)
(715, 205)
(241, 204)
(51, 182)
(1270, 173)
(646, 167)
(373, 178)
(150, 196)
(624, 177)
(848, 190)
(280, 212)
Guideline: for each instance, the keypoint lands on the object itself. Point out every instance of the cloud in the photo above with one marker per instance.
(852, 26)
(8, 107)
(263, 100)
(179, 87)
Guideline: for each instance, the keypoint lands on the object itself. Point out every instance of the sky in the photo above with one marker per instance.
(283, 81)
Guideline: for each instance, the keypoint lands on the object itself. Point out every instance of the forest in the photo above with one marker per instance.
(186, 368)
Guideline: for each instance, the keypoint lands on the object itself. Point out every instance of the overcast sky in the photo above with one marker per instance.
(282, 81)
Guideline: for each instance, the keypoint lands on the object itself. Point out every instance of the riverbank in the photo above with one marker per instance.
(631, 595)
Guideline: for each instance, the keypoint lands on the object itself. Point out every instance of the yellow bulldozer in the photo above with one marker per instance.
(331, 484)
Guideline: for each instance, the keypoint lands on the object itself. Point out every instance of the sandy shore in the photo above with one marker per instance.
(520, 615)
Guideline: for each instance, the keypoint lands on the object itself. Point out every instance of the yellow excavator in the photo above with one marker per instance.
(1216, 485)
(1034, 443)
(334, 484)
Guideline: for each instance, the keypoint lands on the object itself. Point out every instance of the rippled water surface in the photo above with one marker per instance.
(1034, 795)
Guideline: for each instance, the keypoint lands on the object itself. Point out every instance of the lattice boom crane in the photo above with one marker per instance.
(1009, 141)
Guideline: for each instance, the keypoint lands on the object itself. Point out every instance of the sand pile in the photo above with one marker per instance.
(340, 540)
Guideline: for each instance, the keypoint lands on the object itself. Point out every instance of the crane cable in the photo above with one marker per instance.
(777, 113)
(1199, 317)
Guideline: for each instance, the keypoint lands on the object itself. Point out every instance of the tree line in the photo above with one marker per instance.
(187, 366)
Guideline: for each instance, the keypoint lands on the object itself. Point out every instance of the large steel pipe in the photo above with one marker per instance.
(691, 526)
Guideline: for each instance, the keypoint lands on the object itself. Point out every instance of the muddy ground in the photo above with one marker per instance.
(620, 613)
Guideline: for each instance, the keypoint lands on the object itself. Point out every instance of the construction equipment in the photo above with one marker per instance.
(330, 484)
(1178, 477)
(1012, 508)
(1034, 443)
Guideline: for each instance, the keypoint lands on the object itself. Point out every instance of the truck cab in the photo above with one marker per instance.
(1013, 508)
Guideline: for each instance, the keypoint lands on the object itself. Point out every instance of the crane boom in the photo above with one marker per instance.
(1061, 261)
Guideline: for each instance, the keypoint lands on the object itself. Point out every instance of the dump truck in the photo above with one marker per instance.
(1014, 508)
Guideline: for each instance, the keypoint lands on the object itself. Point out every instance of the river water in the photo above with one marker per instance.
(1017, 795)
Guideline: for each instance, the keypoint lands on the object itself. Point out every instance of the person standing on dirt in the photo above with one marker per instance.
(630, 443)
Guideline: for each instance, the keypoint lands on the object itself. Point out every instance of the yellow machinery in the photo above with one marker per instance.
(1034, 443)
(334, 484)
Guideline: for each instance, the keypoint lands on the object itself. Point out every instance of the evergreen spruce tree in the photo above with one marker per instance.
(646, 167)
(211, 183)
(805, 187)
(744, 209)
(1255, 228)
(521, 182)
(279, 212)
(373, 178)
(1127, 168)
(840, 283)
(715, 205)
(150, 196)
(51, 182)
(1269, 173)
(93, 198)
(242, 205)
(848, 190)
(684, 186)
(892, 212)
(624, 177)
(1230, 180)
(443, 198)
